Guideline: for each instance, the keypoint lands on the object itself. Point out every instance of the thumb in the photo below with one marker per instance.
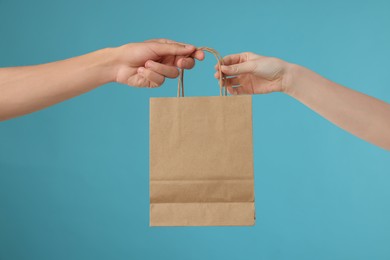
(236, 69)
(163, 49)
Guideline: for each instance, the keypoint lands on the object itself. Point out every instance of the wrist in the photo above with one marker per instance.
(107, 63)
(291, 77)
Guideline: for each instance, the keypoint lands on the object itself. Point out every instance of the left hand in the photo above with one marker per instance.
(251, 73)
(147, 64)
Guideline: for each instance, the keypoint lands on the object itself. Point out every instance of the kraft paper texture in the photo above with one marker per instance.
(201, 161)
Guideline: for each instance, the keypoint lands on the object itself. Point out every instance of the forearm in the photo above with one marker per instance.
(30, 88)
(357, 113)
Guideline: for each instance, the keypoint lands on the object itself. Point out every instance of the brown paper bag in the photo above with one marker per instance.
(201, 161)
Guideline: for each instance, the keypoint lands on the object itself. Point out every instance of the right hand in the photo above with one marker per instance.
(254, 74)
(148, 63)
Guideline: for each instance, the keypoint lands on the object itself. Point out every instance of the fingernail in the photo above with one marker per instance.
(189, 46)
(223, 67)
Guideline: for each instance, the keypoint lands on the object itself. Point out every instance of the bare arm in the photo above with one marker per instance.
(357, 113)
(362, 115)
(26, 89)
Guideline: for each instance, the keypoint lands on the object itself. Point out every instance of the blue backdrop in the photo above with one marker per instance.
(74, 177)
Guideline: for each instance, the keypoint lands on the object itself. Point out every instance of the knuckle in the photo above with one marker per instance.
(248, 54)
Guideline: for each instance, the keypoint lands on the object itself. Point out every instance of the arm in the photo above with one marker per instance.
(30, 88)
(357, 113)
(362, 115)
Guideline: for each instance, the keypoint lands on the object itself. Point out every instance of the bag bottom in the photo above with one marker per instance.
(202, 214)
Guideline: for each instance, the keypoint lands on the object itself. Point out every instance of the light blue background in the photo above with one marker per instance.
(74, 177)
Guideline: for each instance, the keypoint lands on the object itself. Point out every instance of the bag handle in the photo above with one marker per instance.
(222, 77)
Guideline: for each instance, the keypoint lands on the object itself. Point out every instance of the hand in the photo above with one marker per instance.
(254, 74)
(147, 64)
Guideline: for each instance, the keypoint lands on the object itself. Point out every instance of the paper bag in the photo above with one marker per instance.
(201, 161)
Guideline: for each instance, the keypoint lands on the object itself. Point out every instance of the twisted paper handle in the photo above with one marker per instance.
(180, 87)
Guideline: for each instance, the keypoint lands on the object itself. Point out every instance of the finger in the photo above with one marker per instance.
(185, 63)
(154, 78)
(237, 69)
(232, 81)
(199, 55)
(240, 90)
(236, 90)
(217, 74)
(234, 59)
(163, 49)
(189, 62)
(231, 90)
(162, 40)
(162, 69)
(231, 84)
